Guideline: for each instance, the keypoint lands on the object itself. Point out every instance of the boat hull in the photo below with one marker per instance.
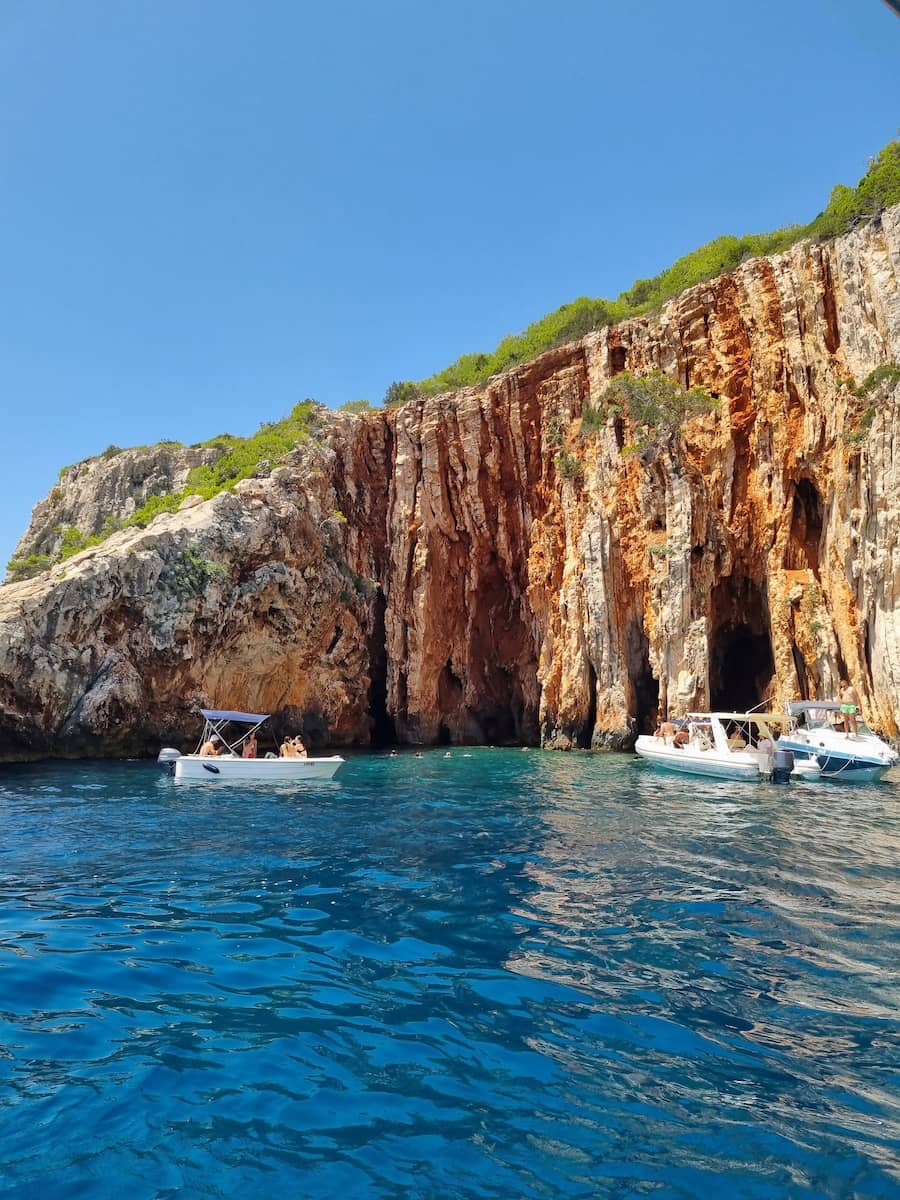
(223, 770)
(835, 765)
(690, 761)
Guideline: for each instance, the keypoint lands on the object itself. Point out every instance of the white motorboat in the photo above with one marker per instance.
(230, 766)
(723, 745)
(817, 742)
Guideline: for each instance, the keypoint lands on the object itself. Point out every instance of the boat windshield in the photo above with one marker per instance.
(819, 718)
(832, 720)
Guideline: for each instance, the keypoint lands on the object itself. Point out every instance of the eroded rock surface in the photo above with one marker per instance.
(471, 568)
(114, 484)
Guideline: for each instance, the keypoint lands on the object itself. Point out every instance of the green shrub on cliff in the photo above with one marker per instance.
(153, 506)
(73, 541)
(400, 392)
(18, 569)
(879, 381)
(878, 189)
(245, 457)
(868, 396)
(655, 404)
(191, 573)
(241, 458)
(567, 324)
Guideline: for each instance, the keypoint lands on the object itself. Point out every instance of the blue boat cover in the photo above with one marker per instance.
(214, 714)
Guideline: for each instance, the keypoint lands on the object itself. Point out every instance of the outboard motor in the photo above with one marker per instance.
(782, 765)
(166, 758)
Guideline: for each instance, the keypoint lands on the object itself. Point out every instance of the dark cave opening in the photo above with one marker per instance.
(644, 699)
(741, 670)
(500, 728)
(501, 719)
(800, 668)
(741, 664)
(806, 528)
(586, 733)
(383, 731)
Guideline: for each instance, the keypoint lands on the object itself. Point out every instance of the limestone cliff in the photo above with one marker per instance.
(472, 568)
(113, 484)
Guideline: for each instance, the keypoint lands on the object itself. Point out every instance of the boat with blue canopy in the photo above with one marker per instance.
(220, 755)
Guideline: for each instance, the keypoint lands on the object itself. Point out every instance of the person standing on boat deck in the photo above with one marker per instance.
(849, 706)
(249, 750)
(212, 748)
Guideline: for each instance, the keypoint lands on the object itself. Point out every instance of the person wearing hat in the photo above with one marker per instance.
(212, 748)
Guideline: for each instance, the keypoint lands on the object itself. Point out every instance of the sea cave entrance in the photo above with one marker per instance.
(644, 703)
(741, 664)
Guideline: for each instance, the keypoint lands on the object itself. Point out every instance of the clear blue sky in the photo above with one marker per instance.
(212, 209)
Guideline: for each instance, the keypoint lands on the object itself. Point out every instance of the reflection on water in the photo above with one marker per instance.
(505, 974)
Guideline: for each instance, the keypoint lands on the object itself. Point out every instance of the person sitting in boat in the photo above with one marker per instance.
(849, 707)
(288, 749)
(681, 738)
(665, 729)
(299, 748)
(249, 750)
(213, 748)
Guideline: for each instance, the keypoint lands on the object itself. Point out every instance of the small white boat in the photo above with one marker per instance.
(230, 766)
(723, 745)
(831, 750)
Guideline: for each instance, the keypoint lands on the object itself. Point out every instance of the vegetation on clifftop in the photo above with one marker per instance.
(878, 189)
(241, 458)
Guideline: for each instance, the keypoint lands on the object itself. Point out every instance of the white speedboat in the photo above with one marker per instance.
(230, 766)
(815, 739)
(723, 745)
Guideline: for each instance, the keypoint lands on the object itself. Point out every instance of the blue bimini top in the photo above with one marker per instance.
(215, 714)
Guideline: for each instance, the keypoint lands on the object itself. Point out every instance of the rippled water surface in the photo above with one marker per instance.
(501, 974)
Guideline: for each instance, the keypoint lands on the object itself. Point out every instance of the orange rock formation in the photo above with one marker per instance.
(471, 568)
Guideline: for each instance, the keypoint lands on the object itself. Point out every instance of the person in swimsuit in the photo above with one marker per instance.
(849, 707)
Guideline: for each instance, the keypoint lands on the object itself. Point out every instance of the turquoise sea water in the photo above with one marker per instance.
(498, 975)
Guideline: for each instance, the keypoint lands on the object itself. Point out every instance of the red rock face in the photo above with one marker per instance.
(472, 568)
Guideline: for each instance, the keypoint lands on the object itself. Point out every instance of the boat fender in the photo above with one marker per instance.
(211, 767)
